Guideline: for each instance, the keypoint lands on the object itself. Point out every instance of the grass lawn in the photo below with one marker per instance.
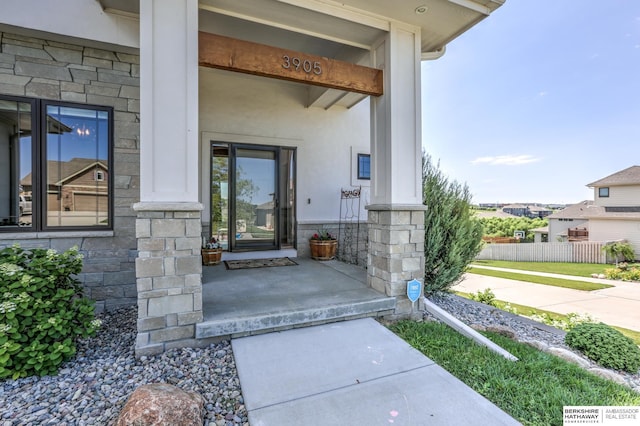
(533, 390)
(527, 311)
(577, 269)
(537, 279)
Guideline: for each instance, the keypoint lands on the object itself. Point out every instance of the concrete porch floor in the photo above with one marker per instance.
(251, 301)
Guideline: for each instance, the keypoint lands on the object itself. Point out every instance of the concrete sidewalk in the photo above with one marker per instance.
(618, 305)
(352, 373)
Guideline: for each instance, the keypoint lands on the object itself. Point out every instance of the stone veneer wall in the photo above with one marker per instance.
(45, 69)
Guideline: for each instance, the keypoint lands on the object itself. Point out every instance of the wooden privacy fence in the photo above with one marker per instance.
(577, 252)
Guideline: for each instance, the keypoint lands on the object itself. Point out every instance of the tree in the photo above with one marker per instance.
(505, 227)
(619, 250)
(453, 237)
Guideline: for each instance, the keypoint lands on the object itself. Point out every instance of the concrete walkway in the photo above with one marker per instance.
(351, 373)
(618, 305)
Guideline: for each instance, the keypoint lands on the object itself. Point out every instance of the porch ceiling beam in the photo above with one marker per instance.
(350, 100)
(324, 98)
(231, 54)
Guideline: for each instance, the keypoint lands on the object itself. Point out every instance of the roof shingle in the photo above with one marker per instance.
(628, 176)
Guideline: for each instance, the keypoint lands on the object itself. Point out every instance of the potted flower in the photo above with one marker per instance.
(211, 252)
(323, 245)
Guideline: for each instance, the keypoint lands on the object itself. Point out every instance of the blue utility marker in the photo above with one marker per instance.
(414, 289)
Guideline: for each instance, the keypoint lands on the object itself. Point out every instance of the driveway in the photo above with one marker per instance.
(618, 305)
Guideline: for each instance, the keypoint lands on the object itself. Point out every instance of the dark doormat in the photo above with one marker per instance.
(258, 263)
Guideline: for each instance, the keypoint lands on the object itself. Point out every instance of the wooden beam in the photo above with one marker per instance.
(231, 54)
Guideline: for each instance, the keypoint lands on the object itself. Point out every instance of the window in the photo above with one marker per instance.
(55, 159)
(364, 166)
(603, 192)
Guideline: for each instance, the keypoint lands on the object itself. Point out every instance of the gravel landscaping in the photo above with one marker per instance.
(92, 387)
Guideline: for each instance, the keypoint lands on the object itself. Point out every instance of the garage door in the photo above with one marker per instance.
(89, 202)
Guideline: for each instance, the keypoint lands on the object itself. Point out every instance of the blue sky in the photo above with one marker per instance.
(538, 100)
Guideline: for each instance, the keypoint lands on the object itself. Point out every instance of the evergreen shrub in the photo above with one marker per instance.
(605, 345)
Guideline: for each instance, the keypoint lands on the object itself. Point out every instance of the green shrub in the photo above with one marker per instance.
(42, 311)
(566, 322)
(605, 345)
(625, 273)
(613, 273)
(487, 297)
(619, 250)
(632, 274)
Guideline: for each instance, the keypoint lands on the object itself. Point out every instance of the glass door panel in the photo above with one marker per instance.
(287, 198)
(255, 199)
(220, 194)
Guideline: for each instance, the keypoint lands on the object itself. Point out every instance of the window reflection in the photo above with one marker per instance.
(77, 167)
(15, 164)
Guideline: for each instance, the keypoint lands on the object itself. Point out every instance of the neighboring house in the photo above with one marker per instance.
(614, 214)
(165, 122)
(77, 192)
(541, 235)
(538, 212)
(491, 205)
(572, 216)
(617, 212)
(519, 210)
(527, 210)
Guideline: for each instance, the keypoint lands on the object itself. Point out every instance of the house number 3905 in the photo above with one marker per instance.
(298, 64)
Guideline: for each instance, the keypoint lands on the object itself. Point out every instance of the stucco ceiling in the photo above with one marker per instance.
(353, 23)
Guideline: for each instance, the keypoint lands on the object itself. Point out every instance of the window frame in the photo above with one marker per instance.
(39, 165)
(603, 192)
(360, 173)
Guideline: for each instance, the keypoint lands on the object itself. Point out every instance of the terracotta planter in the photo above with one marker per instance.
(323, 249)
(211, 256)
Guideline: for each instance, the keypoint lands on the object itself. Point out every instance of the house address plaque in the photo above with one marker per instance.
(216, 51)
(301, 65)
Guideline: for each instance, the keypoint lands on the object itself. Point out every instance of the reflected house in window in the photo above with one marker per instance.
(77, 185)
(264, 215)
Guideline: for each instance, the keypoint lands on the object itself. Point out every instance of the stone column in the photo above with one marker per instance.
(168, 270)
(396, 213)
(168, 225)
(396, 252)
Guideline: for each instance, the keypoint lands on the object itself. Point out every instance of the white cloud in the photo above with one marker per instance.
(506, 160)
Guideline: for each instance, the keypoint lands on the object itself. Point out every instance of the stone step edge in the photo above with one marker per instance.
(245, 326)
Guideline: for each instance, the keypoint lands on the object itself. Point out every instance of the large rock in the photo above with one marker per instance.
(503, 330)
(609, 375)
(162, 404)
(539, 345)
(569, 356)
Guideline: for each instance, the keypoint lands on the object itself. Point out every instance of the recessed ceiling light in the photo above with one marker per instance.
(421, 9)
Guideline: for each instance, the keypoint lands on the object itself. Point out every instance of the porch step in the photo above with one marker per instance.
(268, 322)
